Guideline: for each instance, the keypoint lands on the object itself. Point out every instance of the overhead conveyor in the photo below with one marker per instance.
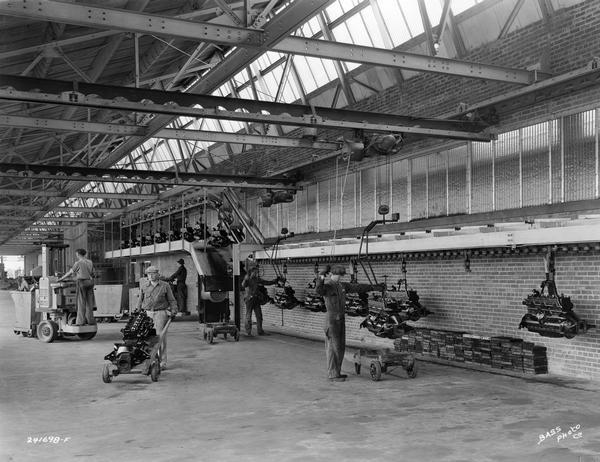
(58, 92)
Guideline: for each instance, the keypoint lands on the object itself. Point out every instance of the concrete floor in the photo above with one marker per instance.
(267, 399)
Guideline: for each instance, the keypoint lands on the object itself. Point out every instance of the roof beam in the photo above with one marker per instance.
(69, 93)
(248, 37)
(34, 208)
(403, 60)
(78, 40)
(168, 133)
(9, 227)
(40, 221)
(101, 175)
(85, 195)
(127, 21)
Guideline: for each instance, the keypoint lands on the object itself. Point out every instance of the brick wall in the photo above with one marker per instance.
(487, 301)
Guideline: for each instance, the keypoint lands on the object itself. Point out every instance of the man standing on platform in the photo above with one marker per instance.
(83, 270)
(179, 277)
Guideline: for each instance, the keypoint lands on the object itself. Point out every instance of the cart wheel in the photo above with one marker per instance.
(47, 331)
(86, 335)
(106, 375)
(209, 336)
(411, 370)
(357, 368)
(375, 371)
(236, 336)
(154, 371)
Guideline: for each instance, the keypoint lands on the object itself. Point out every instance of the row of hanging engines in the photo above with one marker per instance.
(387, 315)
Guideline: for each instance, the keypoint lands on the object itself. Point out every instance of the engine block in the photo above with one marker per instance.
(551, 316)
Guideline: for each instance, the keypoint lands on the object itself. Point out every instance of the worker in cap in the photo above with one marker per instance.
(157, 299)
(255, 295)
(181, 293)
(333, 291)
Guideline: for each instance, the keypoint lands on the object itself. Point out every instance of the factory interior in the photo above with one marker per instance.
(369, 229)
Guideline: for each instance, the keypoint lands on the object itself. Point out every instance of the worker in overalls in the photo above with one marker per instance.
(157, 299)
(83, 270)
(181, 293)
(252, 283)
(333, 291)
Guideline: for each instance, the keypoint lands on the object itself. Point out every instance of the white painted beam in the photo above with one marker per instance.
(407, 244)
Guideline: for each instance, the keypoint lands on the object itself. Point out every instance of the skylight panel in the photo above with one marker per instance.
(458, 6)
(347, 5)
(375, 35)
(306, 75)
(329, 69)
(342, 34)
(410, 8)
(290, 92)
(334, 11)
(358, 31)
(319, 72)
(434, 11)
(246, 93)
(394, 22)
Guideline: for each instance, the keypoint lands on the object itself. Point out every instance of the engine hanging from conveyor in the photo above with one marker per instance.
(396, 308)
(386, 315)
(356, 304)
(284, 295)
(312, 301)
(550, 314)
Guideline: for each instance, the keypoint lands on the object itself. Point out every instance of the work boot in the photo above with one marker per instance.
(341, 378)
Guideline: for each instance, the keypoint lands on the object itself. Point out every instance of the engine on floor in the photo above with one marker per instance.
(139, 337)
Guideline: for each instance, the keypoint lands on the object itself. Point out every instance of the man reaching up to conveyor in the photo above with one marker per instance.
(333, 292)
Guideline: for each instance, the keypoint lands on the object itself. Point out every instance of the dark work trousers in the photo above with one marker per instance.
(253, 305)
(335, 346)
(181, 297)
(85, 302)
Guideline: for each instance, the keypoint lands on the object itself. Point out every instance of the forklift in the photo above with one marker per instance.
(57, 304)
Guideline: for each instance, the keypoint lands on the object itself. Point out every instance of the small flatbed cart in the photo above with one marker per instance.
(383, 361)
(127, 356)
(212, 329)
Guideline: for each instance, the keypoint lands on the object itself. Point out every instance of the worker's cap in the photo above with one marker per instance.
(180, 261)
(338, 270)
(151, 269)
